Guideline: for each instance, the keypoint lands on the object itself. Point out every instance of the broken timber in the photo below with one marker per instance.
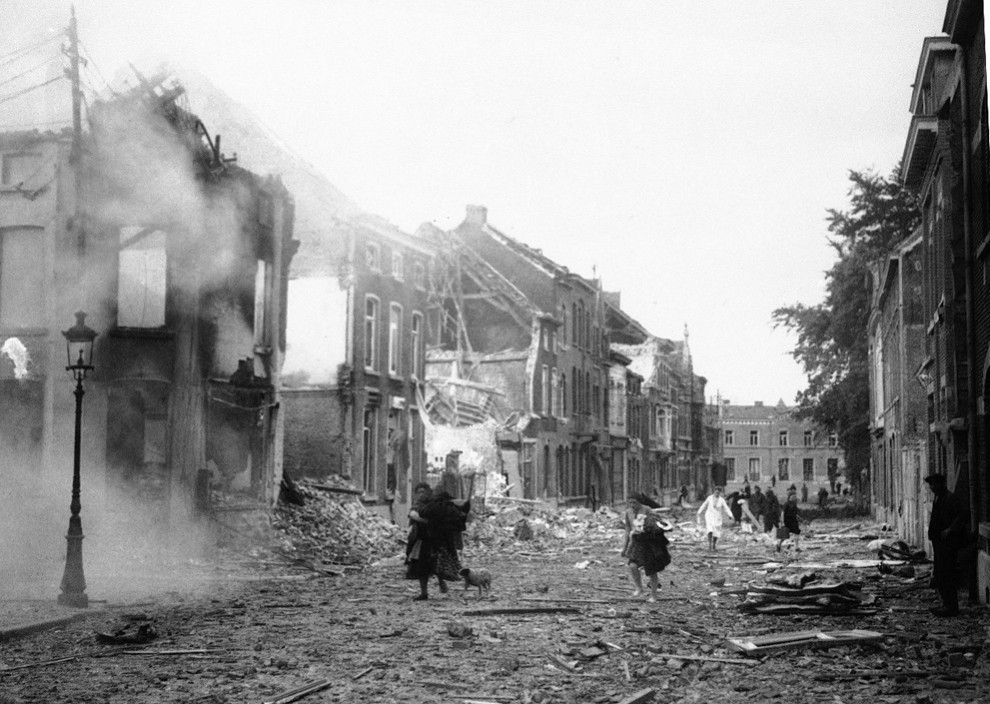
(761, 645)
(541, 610)
(298, 693)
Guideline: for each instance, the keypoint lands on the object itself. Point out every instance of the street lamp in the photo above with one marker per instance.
(79, 353)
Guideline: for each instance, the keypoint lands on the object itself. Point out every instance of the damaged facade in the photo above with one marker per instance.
(180, 259)
(354, 408)
(946, 160)
(580, 422)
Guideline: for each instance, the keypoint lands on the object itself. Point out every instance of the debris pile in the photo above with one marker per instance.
(333, 527)
(502, 525)
(803, 594)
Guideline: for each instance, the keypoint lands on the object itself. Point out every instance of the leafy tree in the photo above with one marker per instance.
(832, 336)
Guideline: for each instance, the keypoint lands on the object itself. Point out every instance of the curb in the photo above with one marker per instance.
(23, 629)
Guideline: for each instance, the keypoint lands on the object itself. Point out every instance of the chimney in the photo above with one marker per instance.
(758, 404)
(476, 215)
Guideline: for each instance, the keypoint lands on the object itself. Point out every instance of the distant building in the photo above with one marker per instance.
(767, 445)
(898, 410)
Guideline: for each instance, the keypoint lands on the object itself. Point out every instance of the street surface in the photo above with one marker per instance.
(257, 632)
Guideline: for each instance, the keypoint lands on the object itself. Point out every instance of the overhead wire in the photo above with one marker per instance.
(90, 62)
(18, 54)
(11, 96)
(33, 68)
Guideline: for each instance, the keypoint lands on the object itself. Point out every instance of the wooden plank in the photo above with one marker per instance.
(705, 658)
(800, 639)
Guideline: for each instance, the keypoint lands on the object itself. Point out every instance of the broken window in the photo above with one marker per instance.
(782, 438)
(372, 256)
(142, 276)
(262, 286)
(22, 283)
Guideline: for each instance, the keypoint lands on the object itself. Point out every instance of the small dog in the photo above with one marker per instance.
(482, 579)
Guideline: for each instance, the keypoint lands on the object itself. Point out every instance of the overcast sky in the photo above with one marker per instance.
(685, 152)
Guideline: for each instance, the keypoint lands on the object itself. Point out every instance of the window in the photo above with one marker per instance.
(371, 333)
(395, 339)
(808, 469)
(754, 437)
(22, 285)
(575, 320)
(15, 169)
(142, 276)
(419, 275)
(398, 270)
(372, 256)
(262, 285)
(809, 438)
(545, 390)
(368, 443)
(563, 396)
(730, 469)
(783, 468)
(782, 438)
(554, 393)
(416, 341)
(564, 325)
(754, 469)
(730, 438)
(833, 440)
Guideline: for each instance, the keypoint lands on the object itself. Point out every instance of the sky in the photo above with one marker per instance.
(683, 152)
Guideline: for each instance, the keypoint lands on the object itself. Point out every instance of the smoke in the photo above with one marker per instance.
(144, 172)
(18, 354)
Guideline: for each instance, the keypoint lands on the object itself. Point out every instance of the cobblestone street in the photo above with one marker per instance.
(559, 626)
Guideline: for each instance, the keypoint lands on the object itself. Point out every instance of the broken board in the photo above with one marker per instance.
(761, 645)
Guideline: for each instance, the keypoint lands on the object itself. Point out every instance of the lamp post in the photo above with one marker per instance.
(79, 353)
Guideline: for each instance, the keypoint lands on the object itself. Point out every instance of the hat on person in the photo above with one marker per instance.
(935, 478)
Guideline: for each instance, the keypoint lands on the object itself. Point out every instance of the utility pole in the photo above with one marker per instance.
(73, 73)
(75, 155)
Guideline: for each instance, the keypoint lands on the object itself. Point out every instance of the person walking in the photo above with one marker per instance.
(710, 513)
(758, 505)
(439, 524)
(646, 543)
(947, 530)
(771, 518)
(792, 523)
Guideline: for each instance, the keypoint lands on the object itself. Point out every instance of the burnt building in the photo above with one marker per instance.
(179, 258)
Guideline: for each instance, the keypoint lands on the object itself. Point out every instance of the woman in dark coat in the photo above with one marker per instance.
(440, 523)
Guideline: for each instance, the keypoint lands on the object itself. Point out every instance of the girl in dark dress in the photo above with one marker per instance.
(646, 544)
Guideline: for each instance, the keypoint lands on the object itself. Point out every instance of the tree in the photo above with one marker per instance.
(832, 336)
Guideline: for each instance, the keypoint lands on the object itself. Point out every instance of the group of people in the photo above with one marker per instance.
(752, 508)
(437, 522)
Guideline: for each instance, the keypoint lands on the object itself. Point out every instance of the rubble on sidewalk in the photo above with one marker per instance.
(333, 527)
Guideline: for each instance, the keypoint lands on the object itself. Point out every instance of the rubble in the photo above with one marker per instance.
(333, 528)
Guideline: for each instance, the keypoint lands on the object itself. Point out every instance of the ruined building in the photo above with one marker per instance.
(179, 258)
